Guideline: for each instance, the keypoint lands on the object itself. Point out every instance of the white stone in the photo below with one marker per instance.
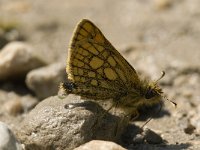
(7, 139)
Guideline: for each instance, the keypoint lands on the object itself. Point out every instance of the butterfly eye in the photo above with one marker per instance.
(150, 93)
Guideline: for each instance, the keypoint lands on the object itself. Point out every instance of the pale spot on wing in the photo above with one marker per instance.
(110, 74)
(105, 54)
(100, 71)
(75, 71)
(86, 45)
(84, 52)
(79, 56)
(82, 79)
(91, 74)
(111, 61)
(78, 63)
(93, 50)
(80, 37)
(99, 47)
(88, 27)
(99, 77)
(106, 65)
(121, 74)
(94, 82)
(83, 32)
(104, 84)
(99, 38)
(96, 62)
(77, 78)
(80, 71)
(86, 60)
(119, 61)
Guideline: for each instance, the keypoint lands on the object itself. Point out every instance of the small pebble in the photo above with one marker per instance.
(13, 107)
(151, 137)
(139, 138)
(162, 4)
(189, 129)
(100, 145)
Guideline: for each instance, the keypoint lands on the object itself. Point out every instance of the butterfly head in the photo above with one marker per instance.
(154, 93)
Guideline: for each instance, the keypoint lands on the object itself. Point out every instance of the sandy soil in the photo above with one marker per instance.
(153, 35)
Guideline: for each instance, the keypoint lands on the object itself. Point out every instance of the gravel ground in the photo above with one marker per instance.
(153, 35)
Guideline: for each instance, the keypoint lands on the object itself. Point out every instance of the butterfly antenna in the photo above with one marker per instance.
(162, 75)
(165, 97)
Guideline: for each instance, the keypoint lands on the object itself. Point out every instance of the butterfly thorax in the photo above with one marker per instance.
(147, 94)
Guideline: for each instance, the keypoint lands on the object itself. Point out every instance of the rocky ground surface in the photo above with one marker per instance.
(153, 35)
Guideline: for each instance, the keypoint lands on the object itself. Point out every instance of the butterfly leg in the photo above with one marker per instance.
(134, 114)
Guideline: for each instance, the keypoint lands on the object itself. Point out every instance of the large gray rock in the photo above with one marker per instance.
(44, 82)
(100, 145)
(57, 123)
(7, 139)
(16, 59)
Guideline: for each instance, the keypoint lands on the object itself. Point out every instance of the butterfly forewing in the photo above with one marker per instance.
(95, 67)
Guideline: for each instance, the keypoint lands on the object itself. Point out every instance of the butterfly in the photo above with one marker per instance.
(97, 71)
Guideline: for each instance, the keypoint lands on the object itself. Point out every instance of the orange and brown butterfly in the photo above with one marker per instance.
(96, 70)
